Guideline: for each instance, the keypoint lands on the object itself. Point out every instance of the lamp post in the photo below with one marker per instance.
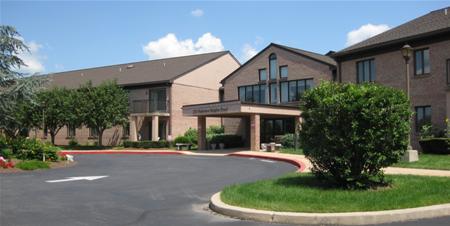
(407, 52)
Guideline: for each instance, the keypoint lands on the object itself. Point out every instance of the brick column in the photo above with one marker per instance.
(255, 144)
(133, 129)
(155, 127)
(201, 128)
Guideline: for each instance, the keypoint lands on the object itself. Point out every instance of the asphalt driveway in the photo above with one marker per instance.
(139, 190)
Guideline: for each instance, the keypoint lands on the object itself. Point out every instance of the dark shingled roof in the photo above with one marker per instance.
(434, 22)
(136, 73)
(311, 55)
(323, 58)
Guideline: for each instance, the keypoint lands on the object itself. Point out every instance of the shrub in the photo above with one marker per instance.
(192, 135)
(6, 153)
(182, 139)
(3, 142)
(32, 165)
(230, 140)
(351, 131)
(288, 140)
(73, 143)
(435, 145)
(146, 144)
(35, 149)
(215, 130)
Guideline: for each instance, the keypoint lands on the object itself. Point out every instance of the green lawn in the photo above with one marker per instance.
(428, 161)
(303, 193)
(32, 165)
(297, 151)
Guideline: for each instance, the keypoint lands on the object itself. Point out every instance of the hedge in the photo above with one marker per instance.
(146, 144)
(435, 145)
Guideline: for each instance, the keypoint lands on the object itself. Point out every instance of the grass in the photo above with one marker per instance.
(32, 165)
(297, 151)
(428, 161)
(303, 193)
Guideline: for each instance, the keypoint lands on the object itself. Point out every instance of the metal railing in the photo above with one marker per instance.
(145, 106)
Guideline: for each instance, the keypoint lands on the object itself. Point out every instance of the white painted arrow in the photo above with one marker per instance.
(89, 178)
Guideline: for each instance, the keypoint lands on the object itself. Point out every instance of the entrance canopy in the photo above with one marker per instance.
(238, 109)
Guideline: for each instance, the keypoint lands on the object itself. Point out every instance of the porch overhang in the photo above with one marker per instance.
(237, 108)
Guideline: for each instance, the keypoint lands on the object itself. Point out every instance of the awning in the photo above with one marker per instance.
(237, 108)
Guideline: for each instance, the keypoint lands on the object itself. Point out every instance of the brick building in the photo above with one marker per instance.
(157, 89)
(260, 98)
(379, 59)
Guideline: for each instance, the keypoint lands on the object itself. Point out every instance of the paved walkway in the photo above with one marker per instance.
(299, 160)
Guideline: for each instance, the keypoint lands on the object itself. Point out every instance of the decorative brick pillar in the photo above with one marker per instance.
(133, 129)
(201, 128)
(155, 128)
(255, 144)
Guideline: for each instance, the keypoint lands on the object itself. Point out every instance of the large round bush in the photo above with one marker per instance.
(351, 131)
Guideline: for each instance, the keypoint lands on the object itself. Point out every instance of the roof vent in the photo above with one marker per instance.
(164, 64)
(130, 66)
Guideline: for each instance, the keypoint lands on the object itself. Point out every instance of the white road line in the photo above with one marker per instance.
(89, 178)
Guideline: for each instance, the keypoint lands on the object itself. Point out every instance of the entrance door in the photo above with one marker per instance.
(272, 127)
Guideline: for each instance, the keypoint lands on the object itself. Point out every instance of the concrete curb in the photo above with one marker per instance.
(120, 152)
(300, 165)
(351, 218)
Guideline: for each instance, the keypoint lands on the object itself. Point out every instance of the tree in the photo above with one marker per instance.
(103, 106)
(54, 110)
(16, 91)
(350, 131)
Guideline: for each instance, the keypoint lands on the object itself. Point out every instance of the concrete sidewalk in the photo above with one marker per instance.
(388, 170)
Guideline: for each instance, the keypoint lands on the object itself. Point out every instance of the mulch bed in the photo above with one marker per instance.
(53, 165)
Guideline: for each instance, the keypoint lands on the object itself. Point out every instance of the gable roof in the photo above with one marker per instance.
(136, 73)
(311, 55)
(433, 23)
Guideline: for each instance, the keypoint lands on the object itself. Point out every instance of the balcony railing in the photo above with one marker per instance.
(145, 106)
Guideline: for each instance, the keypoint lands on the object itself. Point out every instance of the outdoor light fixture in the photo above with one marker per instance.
(407, 52)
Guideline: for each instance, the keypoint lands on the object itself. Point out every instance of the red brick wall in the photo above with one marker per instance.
(428, 89)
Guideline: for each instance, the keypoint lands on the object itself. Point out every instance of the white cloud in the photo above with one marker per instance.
(364, 32)
(170, 46)
(197, 12)
(32, 58)
(248, 51)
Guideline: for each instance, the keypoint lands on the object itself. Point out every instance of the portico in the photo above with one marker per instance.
(237, 109)
(152, 126)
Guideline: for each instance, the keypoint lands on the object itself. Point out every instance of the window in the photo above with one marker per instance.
(93, 132)
(253, 93)
(273, 93)
(262, 74)
(242, 93)
(365, 71)
(422, 61)
(158, 100)
(284, 92)
(423, 116)
(283, 71)
(273, 66)
(71, 131)
(293, 90)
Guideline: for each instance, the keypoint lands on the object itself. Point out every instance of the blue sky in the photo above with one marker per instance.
(67, 35)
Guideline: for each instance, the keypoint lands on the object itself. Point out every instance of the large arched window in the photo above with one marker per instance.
(273, 66)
